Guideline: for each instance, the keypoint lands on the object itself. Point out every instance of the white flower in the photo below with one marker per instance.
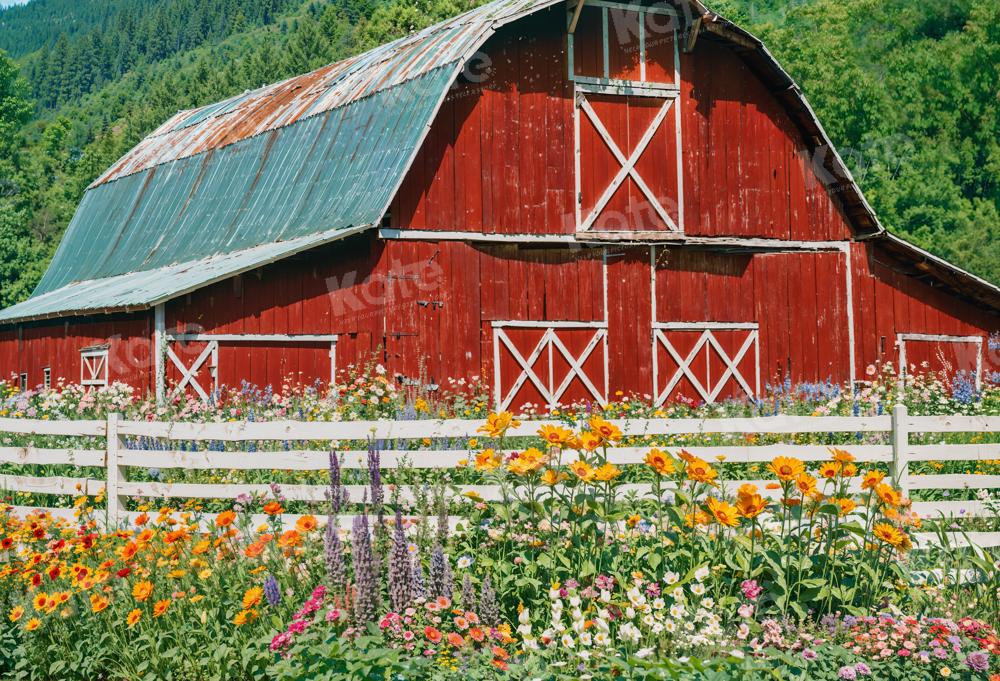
(658, 604)
(701, 574)
(464, 562)
(677, 610)
(583, 655)
(586, 639)
(605, 596)
(678, 594)
(574, 601)
(529, 643)
(635, 596)
(670, 626)
(629, 633)
(601, 639)
(524, 617)
(671, 578)
(554, 594)
(524, 630)
(698, 589)
(630, 613)
(648, 620)
(567, 641)
(643, 652)
(708, 603)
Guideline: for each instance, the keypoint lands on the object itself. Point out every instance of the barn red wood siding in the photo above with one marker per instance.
(57, 346)
(499, 157)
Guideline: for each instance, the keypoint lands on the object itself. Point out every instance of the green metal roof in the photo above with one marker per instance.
(231, 186)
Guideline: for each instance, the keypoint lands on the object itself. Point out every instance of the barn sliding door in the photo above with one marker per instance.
(547, 364)
(705, 362)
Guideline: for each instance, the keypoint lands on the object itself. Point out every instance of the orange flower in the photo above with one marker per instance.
(273, 508)
(160, 607)
(456, 639)
(254, 550)
(849, 470)
(697, 518)
(16, 613)
(699, 470)
(497, 424)
(33, 624)
(845, 505)
(888, 495)
(552, 477)
(98, 603)
(746, 489)
(555, 435)
(133, 617)
(840, 455)
(829, 470)
(241, 618)
(225, 519)
(527, 462)
(128, 551)
(872, 479)
(589, 441)
(786, 468)
(607, 431)
(750, 505)
(488, 460)
(306, 523)
(805, 483)
(685, 455)
(889, 534)
(583, 470)
(142, 590)
(659, 462)
(607, 472)
(289, 539)
(252, 597)
(724, 512)
(141, 519)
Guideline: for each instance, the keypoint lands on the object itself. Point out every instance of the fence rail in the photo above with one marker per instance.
(115, 457)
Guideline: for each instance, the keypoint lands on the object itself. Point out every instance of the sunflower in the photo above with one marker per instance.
(497, 424)
(589, 441)
(725, 513)
(552, 477)
(699, 470)
(160, 607)
(889, 534)
(99, 603)
(40, 602)
(607, 472)
(527, 462)
(583, 470)
(487, 460)
(750, 505)
(830, 470)
(786, 468)
(142, 590)
(133, 617)
(888, 495)
(555, 435)
(872, 479)
(33, 624)
(16, 613)
(607, 431)
(252, 597)
(659, 462)
(840, 455)
(845, 505)
(805, 483)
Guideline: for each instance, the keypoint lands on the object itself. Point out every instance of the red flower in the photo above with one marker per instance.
(432, 634)
(54, 573)
(124, 572)
(6, 543)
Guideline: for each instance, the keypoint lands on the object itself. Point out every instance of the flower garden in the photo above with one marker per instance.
(579, 568)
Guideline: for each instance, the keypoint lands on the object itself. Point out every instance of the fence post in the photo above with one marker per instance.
(900, 444)
(113, 473)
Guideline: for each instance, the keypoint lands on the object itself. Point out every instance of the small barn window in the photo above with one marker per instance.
(94, 366)
(23, 381)
(618, 43)
(47, 377)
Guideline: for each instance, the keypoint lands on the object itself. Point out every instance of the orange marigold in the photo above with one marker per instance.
(252, 597)
(306, 523)
(786, 468)
(273, 508)
(133, 617)
(659, 462)
(555, 435)
(488, 460)
(699, 470)
(872, 479)
(607, 431)
(142, 590)
(750, 505)
(725, 513)
(160, 607)
(225, 519)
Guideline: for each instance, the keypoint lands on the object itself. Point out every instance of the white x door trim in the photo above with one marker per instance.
(708, 389)
(189, 374)
(627, 170)
(549, 343)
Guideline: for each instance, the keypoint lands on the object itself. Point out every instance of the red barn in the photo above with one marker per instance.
(567, 200)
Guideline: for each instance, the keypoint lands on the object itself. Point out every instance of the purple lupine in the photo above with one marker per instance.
(489, 612)
(400, 568)
(272, 591)
(366, 588)
(442, 583)
(333, 548)
(442, 524)
(336, 493)
(375, 482)
(468, 593)
(418, 581)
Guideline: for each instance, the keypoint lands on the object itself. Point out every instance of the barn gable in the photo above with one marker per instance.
(225, 188)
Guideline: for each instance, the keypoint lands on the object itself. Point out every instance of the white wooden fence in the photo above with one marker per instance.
(115, 458)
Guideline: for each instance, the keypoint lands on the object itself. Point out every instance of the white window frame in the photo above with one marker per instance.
(94, 367)
(605, 6)
(47, 377)
(22, 380)
(901, 339)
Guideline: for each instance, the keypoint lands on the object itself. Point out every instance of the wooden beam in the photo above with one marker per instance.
(692, 36)
(576, 16)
